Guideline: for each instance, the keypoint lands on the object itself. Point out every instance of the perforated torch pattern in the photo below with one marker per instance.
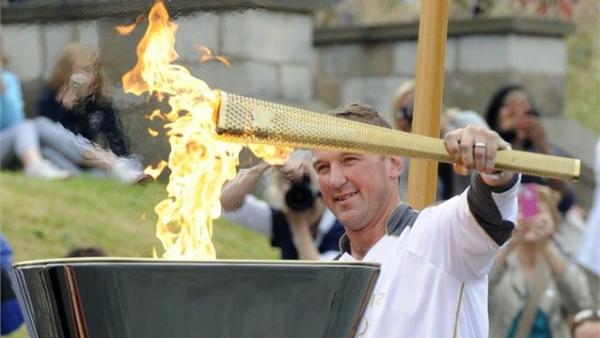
(247, 120)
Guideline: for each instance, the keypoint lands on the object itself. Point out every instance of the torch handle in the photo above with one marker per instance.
(246, 120)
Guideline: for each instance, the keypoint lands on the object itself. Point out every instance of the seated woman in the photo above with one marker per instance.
(27, 142)
(75, 98)
(533, 287)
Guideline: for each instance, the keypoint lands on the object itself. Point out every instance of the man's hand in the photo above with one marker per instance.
(475, 148)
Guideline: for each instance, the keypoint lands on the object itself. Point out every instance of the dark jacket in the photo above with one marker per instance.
(87, 119)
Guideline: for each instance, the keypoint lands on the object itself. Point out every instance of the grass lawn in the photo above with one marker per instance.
(44, 219)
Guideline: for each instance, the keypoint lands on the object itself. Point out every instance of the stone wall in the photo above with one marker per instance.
(369, 63)
(275, 66)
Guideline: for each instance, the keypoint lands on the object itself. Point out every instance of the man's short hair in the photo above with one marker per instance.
(360, 112)
(87, 251)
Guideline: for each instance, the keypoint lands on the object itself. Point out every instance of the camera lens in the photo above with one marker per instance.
(300, 197)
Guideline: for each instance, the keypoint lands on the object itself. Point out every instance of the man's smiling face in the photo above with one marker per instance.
(357, 187)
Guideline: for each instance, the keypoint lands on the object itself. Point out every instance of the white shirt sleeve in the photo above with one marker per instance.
(254, 214)
(449, 236)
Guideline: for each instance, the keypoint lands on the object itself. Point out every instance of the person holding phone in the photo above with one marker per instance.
(75, 97)
(531, 284)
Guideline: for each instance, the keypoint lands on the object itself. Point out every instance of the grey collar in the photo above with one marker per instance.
(402, 216)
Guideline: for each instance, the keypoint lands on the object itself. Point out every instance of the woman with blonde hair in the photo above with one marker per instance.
(74, 97)
(533, 287)
(402, 106)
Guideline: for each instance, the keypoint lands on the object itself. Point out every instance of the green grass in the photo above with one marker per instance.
(44, 219)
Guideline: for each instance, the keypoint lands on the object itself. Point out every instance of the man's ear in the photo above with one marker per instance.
(396, 166)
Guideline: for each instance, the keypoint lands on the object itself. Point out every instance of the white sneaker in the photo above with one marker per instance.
(128, 170)
(45, 169)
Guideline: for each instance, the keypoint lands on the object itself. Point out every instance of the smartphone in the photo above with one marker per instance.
(528, 201)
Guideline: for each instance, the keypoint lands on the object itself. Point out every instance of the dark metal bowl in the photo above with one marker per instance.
(146, 298)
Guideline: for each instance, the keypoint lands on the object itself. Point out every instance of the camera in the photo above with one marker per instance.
(301, 196)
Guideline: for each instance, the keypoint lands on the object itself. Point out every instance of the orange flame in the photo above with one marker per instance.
(199, 163)
(152, 132)
(155, 172)
(127, 29)
(207, 55)
(154, 114)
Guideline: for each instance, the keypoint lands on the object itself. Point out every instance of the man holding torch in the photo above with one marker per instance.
(434, 263)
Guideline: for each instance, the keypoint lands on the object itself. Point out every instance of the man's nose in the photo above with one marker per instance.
(337, 178)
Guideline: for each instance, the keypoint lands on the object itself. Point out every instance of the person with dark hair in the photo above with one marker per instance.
(75, 98)
(511, 113)
(86, 251)
(434, 263)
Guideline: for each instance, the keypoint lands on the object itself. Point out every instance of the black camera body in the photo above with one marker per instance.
(301, 196)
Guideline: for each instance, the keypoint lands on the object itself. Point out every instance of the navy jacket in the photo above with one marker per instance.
(87, 119)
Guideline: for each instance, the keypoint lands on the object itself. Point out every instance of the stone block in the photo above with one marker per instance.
(117, 52)
(483, 53)
(54, 38)
(340, 60)
(296, 82)
(405, 58)
(328, 90)
(472, 91)
(87, 33)
(195, 30)
(375, 91)
(450, 62)
(378, 60)
(250, 78)
(23, 51)
(250, 35)
(542, 55)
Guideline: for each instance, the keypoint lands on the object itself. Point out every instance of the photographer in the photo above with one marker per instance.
(303, 228)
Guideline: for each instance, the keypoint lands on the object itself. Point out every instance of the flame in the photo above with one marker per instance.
(127, 29)
(152, 132)
(272, 155)
(199, 163)
(207, 55)
(155, 114)
(155, 172)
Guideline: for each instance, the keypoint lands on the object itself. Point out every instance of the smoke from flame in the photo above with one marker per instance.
(199, 163)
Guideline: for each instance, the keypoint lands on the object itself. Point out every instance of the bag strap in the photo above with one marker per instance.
(537, 288)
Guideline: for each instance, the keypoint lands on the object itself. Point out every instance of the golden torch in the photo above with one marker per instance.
(247, 120)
